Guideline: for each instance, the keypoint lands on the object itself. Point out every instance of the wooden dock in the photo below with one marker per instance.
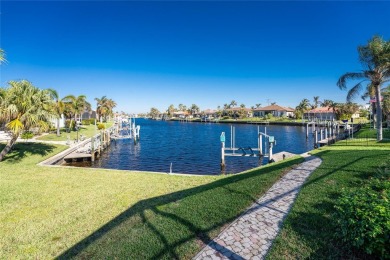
(78, 157)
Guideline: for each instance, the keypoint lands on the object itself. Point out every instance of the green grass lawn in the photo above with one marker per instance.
(85, 130)
(94, 213)
(309, 229)
(368, 132)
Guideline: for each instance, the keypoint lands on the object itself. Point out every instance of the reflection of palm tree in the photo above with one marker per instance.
(24, 107)
(375, 57)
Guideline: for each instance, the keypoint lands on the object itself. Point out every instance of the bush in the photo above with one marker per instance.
(27, 135)
(363, 215)
(92, 121)
(101, 126)
(226, 117)
(86, 122)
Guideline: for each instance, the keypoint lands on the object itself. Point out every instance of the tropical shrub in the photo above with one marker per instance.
(27, 135)
(101, 126)
(363, 215)
(86, 122)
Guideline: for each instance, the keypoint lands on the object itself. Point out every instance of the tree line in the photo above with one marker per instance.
(24, 107)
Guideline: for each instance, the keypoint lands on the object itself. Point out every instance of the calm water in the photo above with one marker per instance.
(195, 147)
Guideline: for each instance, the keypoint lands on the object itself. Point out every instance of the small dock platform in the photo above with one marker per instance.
(326, 141)
(77, 157)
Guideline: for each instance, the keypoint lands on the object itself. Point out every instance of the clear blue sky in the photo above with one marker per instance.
(144, 54)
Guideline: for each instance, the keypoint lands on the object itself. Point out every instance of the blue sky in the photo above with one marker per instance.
(144, 54)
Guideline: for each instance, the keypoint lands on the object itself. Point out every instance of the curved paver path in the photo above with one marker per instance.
(251, 235)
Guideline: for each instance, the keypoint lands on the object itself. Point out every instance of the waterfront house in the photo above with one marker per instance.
(324, 113)
(181, 114)
(236, 112)
(209, 113)
(275, 110)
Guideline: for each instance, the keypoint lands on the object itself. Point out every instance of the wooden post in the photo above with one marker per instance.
(270, 151)
(307, 130)
(260, 145)
(222, 156)
(92, 150)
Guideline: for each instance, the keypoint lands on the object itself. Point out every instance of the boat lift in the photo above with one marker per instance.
(269, 142)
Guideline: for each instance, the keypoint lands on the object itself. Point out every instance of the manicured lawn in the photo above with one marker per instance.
(367, 132)
(87, 213)
(309, 230)
(85, 130)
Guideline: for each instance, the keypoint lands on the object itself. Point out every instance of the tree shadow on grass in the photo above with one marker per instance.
(312, 224)
(22, 150)
(178, 218)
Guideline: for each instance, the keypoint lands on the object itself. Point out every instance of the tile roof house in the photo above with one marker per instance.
(275, 110)
(324, 113)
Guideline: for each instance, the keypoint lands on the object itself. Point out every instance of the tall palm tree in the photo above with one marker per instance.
(24, 106)
(316, 102)
(59, 107)
(258, 105)
(233, 103)
(327, 103)
(2, 56)
(375, 57)
(76, 105)
(101, 108)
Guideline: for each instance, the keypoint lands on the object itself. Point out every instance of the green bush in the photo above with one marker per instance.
(226, 117)
(86, 122)
(27, 135)
(363, 215)
(101, 126)
(92, 121)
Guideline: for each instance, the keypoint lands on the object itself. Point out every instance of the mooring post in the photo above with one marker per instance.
(270, 151)
(326, 132)
(321, 134)
(222, 139)
(92, 150)
(315, 138)
(260, 144)
(307, 130)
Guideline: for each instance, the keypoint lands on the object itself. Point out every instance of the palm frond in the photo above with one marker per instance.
(342, 82)
(353, 92)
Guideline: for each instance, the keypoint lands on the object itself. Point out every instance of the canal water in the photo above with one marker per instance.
(195, 148)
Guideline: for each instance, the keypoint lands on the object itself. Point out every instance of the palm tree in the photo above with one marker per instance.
(327, 103)
(303, 107)
(194, 109)
(24, 107)
(171, 110)
(101, 108)
(375, 57)
(233, 103)
(76, 105)
(59, 107)
(316, 102)
(258, 105)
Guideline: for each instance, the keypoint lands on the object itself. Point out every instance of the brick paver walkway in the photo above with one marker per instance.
(251, 235)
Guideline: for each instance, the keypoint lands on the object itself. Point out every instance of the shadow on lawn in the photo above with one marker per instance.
(312, 220)
(21, 150)
(198, 201)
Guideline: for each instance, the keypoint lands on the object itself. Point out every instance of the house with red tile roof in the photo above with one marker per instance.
(275, 110)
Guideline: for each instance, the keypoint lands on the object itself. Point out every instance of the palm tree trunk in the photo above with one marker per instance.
(8, 147)
(58, 127)
(379, 135)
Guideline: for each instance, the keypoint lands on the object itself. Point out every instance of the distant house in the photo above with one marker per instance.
(325, 113)
(181, 114)
(320, 113)
(235, 111)
(89, 115)
(209, 113)
(275, 110)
